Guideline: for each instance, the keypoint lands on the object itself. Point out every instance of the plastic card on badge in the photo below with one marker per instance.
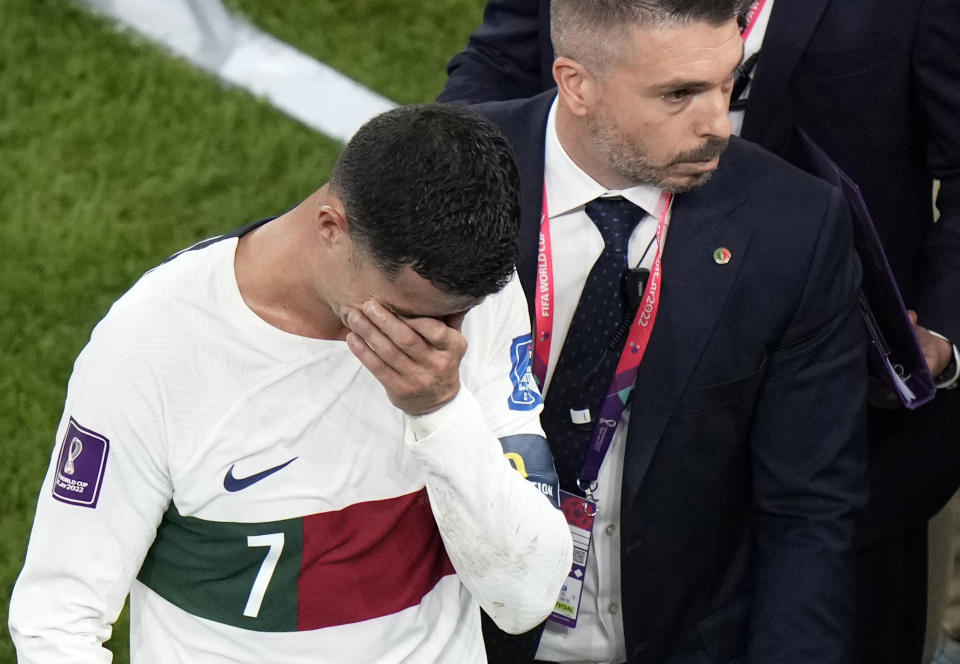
(580, 416)
(579, 513)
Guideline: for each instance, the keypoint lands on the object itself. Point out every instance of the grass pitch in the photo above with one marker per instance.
(397, 47)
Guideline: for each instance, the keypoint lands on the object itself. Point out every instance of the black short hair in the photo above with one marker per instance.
(582, 29)
(433, 187)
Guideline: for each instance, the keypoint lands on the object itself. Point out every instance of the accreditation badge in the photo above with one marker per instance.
(579, 513)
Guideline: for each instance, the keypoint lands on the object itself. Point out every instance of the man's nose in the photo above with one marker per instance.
(715, 118)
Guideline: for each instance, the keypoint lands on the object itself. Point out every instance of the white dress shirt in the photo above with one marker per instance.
(576, 244)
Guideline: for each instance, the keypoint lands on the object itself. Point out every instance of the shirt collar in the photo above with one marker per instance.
(568, 186)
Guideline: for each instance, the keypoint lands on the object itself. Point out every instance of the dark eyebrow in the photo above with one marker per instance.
(680, 84)
(685, 84)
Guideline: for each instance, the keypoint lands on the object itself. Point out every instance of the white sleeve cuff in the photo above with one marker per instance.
(421, 426)
(950, 376)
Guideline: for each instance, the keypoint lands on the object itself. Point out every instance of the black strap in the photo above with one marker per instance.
(744, 75)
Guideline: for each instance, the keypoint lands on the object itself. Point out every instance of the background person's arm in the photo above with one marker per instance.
(936, 68)
(505, 56)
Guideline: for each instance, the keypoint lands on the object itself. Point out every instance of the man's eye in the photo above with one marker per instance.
(676, 96)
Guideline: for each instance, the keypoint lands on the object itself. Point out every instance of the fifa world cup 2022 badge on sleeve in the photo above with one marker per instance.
(579, 513)
(79, 473)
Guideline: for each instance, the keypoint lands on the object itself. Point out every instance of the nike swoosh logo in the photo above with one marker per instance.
(231, 483)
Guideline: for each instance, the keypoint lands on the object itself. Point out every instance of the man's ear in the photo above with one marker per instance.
(331, 220)
(576, 86)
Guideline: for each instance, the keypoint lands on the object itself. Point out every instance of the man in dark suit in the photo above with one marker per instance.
(875, 83)
(728, 495)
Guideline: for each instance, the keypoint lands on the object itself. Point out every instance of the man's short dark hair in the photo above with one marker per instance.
(583, 29)
(433, 187)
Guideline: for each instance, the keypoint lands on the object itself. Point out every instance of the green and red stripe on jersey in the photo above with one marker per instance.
(364, 561)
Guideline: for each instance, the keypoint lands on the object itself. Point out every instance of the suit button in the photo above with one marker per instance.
(610, 530)
(613, 609)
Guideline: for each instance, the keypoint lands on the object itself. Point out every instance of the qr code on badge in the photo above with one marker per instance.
(580, 557)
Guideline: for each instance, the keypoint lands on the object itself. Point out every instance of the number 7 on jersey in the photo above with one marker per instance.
(267, 567)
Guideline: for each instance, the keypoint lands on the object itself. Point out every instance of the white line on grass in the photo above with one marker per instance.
(214, 39)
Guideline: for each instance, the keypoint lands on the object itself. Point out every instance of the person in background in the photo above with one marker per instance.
(874, 82)
(279, 443)
(716, 435)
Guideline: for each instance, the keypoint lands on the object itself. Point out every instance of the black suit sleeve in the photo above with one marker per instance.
(936, 69)
(808, 451)
(914, 455)
(503, 57)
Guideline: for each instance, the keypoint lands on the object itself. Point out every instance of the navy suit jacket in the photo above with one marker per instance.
(743, 469)
(875, 82)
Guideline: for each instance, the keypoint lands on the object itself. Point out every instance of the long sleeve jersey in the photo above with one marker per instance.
(261, 500)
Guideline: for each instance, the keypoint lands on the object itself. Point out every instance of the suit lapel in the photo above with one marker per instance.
(695, 290)
(791, 25)
(531, 206)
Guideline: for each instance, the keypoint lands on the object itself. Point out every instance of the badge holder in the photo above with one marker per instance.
(579, 512)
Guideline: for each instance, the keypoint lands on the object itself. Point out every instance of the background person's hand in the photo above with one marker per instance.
(936, 351)
(417, 360)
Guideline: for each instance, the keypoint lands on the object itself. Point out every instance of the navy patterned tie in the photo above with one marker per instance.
(587, 361)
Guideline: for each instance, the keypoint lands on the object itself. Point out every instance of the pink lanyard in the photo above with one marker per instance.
(752, 15)
(630, 357)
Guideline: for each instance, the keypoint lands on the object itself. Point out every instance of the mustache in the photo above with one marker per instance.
(713, 148)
